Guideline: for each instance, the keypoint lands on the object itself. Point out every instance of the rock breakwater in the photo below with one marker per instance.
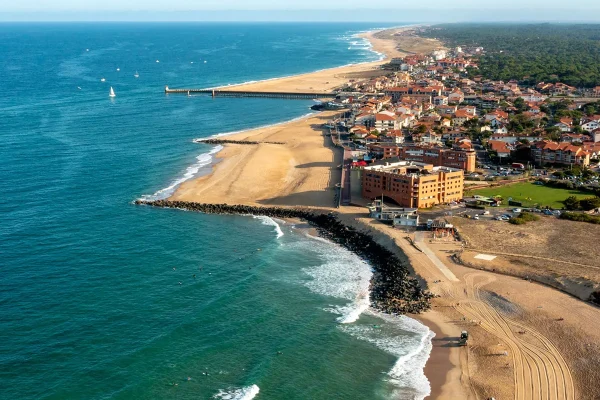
(393, 291)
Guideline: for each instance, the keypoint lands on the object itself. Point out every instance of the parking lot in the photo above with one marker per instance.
(490, 213)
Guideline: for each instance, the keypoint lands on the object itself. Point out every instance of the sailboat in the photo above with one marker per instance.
(136, 74)
(112, 93)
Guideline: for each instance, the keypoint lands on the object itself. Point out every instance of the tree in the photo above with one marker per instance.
(520, 105)
(571, 203)
(421, 129)
(589, 203)
(472, 123)
(589, 110)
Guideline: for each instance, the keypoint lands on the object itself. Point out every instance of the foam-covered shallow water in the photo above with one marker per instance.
(104, 299)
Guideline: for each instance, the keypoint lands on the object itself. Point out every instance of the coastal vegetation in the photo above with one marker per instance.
(530, 195)
(530, 53)
(571, 216)
(523, 218)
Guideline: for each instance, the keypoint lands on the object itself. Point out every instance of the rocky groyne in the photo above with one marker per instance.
(392, 289)
(226, 141)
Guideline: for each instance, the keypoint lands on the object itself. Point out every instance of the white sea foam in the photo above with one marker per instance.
(246, 393)
(407, 339)
(271, 222)
(342, 274)
(202, 160)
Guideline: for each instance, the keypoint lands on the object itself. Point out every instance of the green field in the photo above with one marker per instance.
(529, 194)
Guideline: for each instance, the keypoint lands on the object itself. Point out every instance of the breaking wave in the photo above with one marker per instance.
(202, 160)
(246, 393)
(271, 222)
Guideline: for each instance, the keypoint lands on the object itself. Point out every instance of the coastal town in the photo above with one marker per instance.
(484, 191)
(428, 111)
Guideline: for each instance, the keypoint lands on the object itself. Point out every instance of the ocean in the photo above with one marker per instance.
(102, 299)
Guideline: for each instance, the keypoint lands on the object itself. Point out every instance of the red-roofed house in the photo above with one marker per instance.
(546, 152)
(501, 148)
(386, 121)
(460, 117)
(565, 124)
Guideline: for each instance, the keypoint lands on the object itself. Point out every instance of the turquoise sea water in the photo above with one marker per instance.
(98, 297)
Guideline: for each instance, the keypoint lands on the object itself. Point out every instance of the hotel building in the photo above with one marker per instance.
(412, 184)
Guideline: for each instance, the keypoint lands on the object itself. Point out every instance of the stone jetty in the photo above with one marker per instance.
(393, 291)
(225, 141)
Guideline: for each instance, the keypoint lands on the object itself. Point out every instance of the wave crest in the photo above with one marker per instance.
(246, 393)
(202, 160)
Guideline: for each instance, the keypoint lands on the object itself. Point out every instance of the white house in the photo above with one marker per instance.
(386, 121)
(591, 125)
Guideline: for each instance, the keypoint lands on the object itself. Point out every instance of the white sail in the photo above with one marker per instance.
(112, 92)
(136, 74)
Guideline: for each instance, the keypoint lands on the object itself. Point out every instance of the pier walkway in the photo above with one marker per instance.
(248, 93)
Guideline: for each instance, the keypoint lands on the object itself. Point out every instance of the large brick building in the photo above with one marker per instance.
(438, 156)
(410, 184)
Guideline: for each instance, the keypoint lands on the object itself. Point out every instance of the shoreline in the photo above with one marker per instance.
(234, 170)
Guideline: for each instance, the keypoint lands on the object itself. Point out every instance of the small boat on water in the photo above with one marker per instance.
(102, 80)
(189, 94)
(157, 61)
(118, 69)
(137, 75)
(112, 93)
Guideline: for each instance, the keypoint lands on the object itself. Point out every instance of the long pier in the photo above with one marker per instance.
(249, 93)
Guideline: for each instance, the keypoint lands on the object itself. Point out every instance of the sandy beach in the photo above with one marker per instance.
(303, 171)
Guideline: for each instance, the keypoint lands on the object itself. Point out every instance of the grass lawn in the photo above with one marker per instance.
(530, 194)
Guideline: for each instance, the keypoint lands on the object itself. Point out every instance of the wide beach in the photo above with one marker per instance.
(304, 170)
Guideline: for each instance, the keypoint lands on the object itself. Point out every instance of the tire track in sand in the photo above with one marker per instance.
(540, 372)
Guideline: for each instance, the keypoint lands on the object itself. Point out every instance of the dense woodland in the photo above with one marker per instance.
(530, 53)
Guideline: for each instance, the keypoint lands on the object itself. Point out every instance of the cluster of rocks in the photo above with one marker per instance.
(392, 289)
(225, 141)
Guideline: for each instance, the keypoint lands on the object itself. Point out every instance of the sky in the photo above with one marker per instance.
(301, 10)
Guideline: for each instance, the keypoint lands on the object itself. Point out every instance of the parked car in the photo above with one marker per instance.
(476, 217)
(485, 213)
(516, 210)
